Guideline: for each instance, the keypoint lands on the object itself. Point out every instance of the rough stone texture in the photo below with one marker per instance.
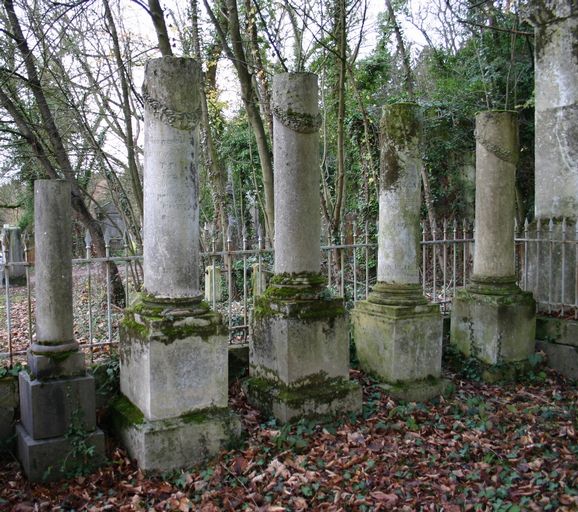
(496, 158)
(13, 241)
(559, 340)
(213, 284)
(43, 367)
(398, 343)
(173, 361)
(53, 266)
(494, 328)
(8, 407)
(171, 216)
(556, 111)
(562, 358)
(400, 194)
(291, 350)
(175, 443)
(556, 330)
(296, 177)
(47, 407)
(419, 390)
(52, 459)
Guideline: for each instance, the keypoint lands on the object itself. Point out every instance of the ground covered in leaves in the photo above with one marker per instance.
(488, 447)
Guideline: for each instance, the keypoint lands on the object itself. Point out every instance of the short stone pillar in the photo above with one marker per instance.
(15, 254)
(551, 269)
(173, 348)
(398, 335)
(213, 284)
(492, 319)
(299, 351)
(57, 397)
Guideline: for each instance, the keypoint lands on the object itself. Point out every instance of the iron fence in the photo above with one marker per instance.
(237, 272)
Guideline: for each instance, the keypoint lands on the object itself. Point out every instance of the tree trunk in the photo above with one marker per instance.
(158, 19)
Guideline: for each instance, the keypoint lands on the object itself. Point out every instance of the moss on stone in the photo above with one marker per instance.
(126, 414)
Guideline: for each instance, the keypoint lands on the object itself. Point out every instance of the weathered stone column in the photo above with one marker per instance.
(492, 319)
(173, 350)
(299, 353)
(13, 240)
(57, 396)
(398, 335)
(556, 150)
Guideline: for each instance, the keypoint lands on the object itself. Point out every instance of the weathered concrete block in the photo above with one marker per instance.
(398, 343)
(173, 361)
(557, 330)
(44, 367)
(328, 397)
(47, 407)
(8, 407)
(213, 284)
(299, 358)
(494, 328)
(52, 459)
(186, 441)
(291, 347)
(562, 358)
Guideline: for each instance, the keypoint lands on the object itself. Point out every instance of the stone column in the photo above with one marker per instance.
(299, 352)
(556, 149)
(492, 319)
(57, 396)
(398, 335)
(13, 242)
(173, 351)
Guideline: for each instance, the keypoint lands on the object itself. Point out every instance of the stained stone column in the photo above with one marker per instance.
(57, 396)
(173, 351)
(492, 319)
(556, 149)
(398, 335)
(299, 352)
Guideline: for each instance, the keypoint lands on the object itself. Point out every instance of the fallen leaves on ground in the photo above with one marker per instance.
(488, 447)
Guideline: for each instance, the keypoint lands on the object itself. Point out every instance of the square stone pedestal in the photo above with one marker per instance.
(58, 430)
(494, 325)
(174, 375)
(299, 359)
(402, 346)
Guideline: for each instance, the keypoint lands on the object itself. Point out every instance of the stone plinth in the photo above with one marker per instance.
(299, 355)
(58, 398)
(299, 352)
(173, 351)
(398, 335)
(492, 319)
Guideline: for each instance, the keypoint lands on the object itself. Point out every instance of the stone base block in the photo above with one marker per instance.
(562, 358)
(495, 329)
(398, 344)
(48, 407)
(44, 367)
(174, 359)
(419, 391)
(52, 459)
(175, 443)
(299, 341)
(557, 330)
(319, 400)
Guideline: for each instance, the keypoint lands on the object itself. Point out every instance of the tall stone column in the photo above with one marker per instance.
(492, 319)
(173, 351)
(398, 335)
(556, 150)
(57, 396)
(299, 352)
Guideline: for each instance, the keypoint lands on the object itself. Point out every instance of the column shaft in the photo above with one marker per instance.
(171, 188)
(53, 268)
(496, 159)
(296, 157)
(400, 195)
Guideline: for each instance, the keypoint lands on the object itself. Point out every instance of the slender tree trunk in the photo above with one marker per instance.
(158, 19)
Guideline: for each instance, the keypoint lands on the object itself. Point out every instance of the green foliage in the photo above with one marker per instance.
(11, 371)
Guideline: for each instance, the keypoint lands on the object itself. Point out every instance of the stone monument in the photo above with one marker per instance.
(173, 351)
(397, 333)
(57, 398)
(299, 353)
(492, 319)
